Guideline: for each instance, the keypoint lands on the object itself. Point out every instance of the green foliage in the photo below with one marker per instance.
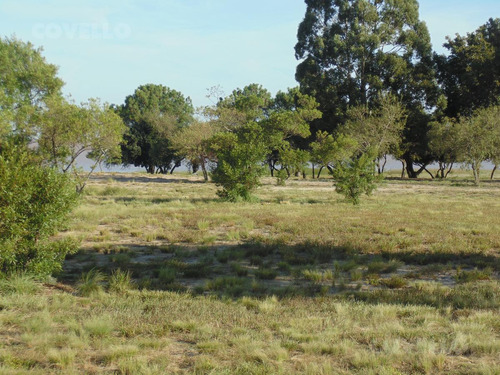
(354, 177)
(348, 58)
(479, 136)
(239, 161)
(380, 128)
(153, 114)
(464, 276)
(328, 151)
(444, 144)
(34, 203)
(191, 142)
(470, 73)
(67, 131)
(26, 81)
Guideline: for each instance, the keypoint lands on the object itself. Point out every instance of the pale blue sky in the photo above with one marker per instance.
(107, 50)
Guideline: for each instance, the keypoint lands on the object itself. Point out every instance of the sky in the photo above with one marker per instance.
(107, 49)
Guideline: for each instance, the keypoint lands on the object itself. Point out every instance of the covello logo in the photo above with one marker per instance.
(81, 31)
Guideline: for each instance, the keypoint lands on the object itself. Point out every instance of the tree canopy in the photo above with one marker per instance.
(152, 114)
(470, 74)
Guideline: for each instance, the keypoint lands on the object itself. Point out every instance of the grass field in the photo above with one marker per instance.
(171, 280)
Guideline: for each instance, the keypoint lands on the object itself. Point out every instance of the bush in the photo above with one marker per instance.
(239, 162)
(34, 202)
(355, 177)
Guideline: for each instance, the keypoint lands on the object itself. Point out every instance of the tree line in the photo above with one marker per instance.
(370, 86)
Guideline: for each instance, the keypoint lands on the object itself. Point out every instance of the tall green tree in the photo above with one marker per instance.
(478, 138)
(351, 50)
(152, 114)
(27, 80)
(67, 131)
(444, 144)
(192, 143)
(287, 123)
(470, 72)
(379, 129)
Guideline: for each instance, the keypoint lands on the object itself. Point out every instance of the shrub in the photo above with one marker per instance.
(91, 282)
(120, 281)
(355, 177)
(239, 162)
(35, 201)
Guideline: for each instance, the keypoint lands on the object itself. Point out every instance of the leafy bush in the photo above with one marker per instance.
(239, 162)
(355, 177)
(34, 203)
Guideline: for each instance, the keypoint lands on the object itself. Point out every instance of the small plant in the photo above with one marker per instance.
(233, 235)
(256, 260)
(122, 260)
(355, 177)
(356, 275)
(203, 225)
(284, 267)
(238, 269)
(120, 281)
(395, 282)
(167, 275)
(347, 266)
(266, 274)
(91, 282)
(312, 275)
(383, 267)
(463, 276)
(222, 283)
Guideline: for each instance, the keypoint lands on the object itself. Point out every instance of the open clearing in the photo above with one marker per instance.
(297, 282)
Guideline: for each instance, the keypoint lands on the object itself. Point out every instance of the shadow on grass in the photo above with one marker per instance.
(146, 179)
(308, 270)
(164, 200)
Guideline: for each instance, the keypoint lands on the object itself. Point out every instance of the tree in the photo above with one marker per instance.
(327, 151)
(26, 81)
(191, 142)
(67, 131)
(352, 50)
(355, 176)
(287, 122)
(444, 144)
(470, 73)
(152, 114)
(35, 201)
(478, 138)
(379, 129)
(239, 161)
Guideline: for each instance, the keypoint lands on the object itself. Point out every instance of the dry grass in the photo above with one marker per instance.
(300, 282)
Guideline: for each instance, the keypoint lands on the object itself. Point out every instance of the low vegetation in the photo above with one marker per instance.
(311, 284)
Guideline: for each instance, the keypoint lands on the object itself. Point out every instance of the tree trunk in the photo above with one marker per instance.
(449, 170)
(204, 170)
(476, 170)
(410, 171)
(493, 172)
(313, 171)
(319, 172)
(430, 174)
(403, 170)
